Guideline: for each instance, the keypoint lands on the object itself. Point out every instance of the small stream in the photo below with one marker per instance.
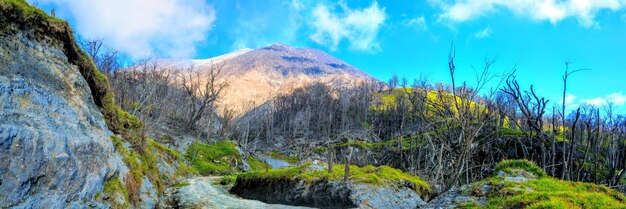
(274, 163)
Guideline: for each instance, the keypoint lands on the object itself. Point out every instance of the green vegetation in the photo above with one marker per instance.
(256, 164)
(114, 188)
(388, 99)
(219, 158)
(229, 179)
(28, 13)
(383, 175)
(545, 191)
(548, 192)
(510, 132)
(213, 158)
(144, 163)
(179, 184)
(509, 166)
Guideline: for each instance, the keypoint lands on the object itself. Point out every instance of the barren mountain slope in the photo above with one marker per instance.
(254, 76)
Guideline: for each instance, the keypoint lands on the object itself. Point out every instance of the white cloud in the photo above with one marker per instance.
(359, 27)
(483, 33)
(143, 27)
(540, 10)
(569, 99)
(418, 22)
(617, 99)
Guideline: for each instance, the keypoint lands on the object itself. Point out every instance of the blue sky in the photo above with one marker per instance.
(409, 38)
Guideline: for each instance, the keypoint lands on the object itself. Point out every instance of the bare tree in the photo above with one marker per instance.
(203, 89)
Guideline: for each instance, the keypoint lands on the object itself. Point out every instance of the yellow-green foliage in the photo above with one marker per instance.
(228, 179)
(383, 175)
(547, 192)
(388, 100)
(256, 164)
(510, 132)
(509, 165)
(144, 163)
(26, 12)
(179, 184)
(172, 157)
(213, 158)
(219, 158)
(114, 188)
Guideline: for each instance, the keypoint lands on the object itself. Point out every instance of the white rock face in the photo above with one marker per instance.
(55, 147)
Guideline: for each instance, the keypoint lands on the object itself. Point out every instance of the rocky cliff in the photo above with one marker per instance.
(63, 141)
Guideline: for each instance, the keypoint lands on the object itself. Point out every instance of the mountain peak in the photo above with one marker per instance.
(278, 47)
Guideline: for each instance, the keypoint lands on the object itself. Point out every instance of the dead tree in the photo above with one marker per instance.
(203, 90)
(532, 107)
(565, 77)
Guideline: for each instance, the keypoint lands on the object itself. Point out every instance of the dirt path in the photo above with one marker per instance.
(202, 193)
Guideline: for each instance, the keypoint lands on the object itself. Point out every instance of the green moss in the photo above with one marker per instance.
(165, 150)
(227, 180)
(547, 192)
(28, 12)
(510, 132)
(113, 188)
(383, 175)
(510, 165)
(179, 184)
(256, 164)
(213, 158)
(468, 205)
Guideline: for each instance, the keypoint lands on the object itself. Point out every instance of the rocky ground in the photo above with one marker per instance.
(205, 192)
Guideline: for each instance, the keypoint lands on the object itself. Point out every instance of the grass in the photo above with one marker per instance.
(548, 192)
(388, 100)
(227, 180)
(509, 166)
(510, 132)
(545, 191)
(179, 184)
(218, 158)
(213, 158)
(114, 188)
(256, 164)
(383, 175)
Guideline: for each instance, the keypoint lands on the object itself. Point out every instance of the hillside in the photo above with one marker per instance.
(63, 141)
(254, 76)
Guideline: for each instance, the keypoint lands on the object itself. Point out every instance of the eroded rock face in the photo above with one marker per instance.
(54, 144)
(327, 194)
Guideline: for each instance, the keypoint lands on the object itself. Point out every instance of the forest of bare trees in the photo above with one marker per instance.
(448, 134)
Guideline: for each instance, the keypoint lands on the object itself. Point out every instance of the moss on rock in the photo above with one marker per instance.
(380, 176)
